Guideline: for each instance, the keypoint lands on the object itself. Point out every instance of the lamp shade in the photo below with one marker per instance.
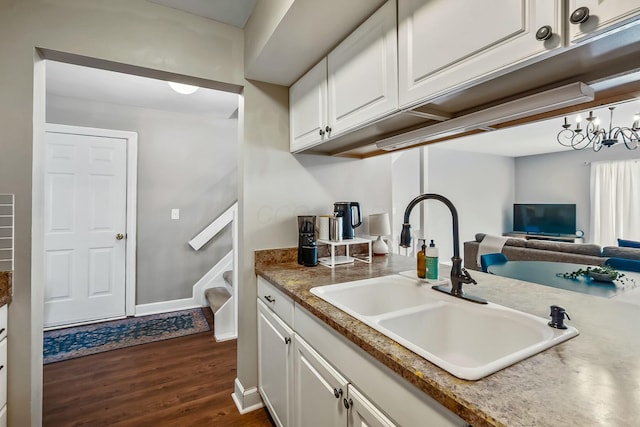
(379, 224)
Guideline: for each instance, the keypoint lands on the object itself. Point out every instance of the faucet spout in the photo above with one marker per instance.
(459, 275)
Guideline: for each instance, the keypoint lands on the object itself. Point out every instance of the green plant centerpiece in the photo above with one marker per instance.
(602, 273)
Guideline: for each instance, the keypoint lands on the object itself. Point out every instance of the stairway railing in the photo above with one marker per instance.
(230, 216)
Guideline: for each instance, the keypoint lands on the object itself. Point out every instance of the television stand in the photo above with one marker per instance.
(550, 237)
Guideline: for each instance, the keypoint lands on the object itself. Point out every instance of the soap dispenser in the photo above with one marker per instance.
(421, 269)
(431, 254)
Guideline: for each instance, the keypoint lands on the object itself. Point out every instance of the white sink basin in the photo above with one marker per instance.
(466, 339)
(371, 297)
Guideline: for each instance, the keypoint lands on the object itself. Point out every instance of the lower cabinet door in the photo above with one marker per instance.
(319, 390)
(275, 365)
(3, 372)
(362, 412)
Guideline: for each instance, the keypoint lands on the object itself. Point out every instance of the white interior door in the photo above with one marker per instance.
(85, 227)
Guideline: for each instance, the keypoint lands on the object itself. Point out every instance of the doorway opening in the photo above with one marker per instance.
(186, 173)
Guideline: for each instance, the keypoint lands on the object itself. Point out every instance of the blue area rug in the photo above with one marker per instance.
(69, 343)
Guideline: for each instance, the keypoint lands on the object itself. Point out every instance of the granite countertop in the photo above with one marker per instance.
(5, 287)
(590, 380)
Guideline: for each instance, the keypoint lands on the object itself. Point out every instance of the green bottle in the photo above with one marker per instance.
(432, 261)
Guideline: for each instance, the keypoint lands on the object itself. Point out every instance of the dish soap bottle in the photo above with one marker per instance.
(421, 269)
(431, 254)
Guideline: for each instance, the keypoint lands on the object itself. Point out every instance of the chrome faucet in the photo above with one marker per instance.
(459, 275)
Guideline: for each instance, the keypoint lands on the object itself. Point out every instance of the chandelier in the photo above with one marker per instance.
(597, 137)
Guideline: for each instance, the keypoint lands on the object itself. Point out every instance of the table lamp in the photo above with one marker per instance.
(379, 226)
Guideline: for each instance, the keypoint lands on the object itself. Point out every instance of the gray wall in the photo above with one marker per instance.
(480, 186)
(185, 161)
(563, 178)
(134, 32)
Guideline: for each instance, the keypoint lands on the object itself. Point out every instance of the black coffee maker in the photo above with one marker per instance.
(351, 218)
(307, 247)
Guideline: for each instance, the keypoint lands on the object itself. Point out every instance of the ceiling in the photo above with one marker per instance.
(124, 89)
(232, 12)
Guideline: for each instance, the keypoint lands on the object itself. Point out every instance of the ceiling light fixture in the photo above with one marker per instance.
(183, 88)
(596, 137)
(550, 100)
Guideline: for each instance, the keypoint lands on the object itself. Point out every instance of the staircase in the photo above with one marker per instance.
(220, 283)
(221, 301)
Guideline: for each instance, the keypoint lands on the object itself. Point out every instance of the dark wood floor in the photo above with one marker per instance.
(184, 381)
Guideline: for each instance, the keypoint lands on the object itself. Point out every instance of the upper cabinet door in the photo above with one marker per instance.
(363, 76)
(308, 108)
(445, 45)
(599, 16)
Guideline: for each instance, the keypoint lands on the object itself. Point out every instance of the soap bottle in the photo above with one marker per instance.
(431, 254)
(421, 269)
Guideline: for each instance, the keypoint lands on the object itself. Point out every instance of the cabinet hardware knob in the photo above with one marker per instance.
(544, 33)
(337, 393)
(287, 340)
(119, 236)
(1, 367)
(321, 132)
(2, 330)
(347, 403)
(328, 129)
(269, 298)
(579, 15)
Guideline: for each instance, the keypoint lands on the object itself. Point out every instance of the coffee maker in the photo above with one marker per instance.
(307, 247)
(350, 213)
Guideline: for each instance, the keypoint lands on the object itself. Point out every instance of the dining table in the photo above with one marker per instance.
(551, 273)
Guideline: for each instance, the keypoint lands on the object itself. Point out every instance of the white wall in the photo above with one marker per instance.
(480, 186)
(405, 187)
(563, 178)
(185, 161)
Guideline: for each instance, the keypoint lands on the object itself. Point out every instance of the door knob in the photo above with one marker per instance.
(579, 15)
(544, 33)
(119, 236)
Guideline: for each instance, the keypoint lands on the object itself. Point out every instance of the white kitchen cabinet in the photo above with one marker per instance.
(599, 16)
(308, 108)
(445, 45)
(275, 365)
(363, 413)
(318, 390)
(353, 86)
(3, 365)
(324, 398)
(363, 73)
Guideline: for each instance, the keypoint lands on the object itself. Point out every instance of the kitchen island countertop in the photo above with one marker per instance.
(590, 380)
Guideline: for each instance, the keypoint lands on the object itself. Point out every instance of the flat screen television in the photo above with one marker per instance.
(541, 218)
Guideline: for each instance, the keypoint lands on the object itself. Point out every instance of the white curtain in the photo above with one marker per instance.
(615, 201)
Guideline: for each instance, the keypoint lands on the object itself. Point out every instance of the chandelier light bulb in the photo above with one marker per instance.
(578, 119)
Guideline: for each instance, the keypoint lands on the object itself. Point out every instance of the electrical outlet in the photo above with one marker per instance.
(175, 213)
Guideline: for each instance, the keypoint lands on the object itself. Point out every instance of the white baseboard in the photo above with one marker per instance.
(225, 337)
(246, 400)
(166, 306)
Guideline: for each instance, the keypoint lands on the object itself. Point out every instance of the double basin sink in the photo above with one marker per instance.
(465, 339)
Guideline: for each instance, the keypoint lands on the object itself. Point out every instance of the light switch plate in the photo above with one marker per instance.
(175, 213)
